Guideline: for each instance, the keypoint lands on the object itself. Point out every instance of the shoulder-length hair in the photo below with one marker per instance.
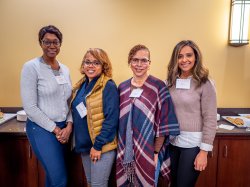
(135, 49)
(199, 72)
(102, 57)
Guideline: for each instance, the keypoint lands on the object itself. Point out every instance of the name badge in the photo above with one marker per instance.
(61, 79)
(183, 83)
(81, 109)
(136, 93)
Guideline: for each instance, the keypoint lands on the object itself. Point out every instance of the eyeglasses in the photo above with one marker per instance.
(94, 63)
(48, 43)
(135, 61)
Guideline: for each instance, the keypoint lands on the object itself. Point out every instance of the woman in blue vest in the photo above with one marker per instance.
(95, 109)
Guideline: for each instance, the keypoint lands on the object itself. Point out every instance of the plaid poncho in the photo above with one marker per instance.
(153, 116)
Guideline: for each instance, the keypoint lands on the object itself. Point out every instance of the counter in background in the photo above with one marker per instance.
(19, 166)
(14, 127)
(227, 164)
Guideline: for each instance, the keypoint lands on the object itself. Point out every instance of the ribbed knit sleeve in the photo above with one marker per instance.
(69, 117)
(45, 100)
(209, 111)
(196, 113)
(29, 79)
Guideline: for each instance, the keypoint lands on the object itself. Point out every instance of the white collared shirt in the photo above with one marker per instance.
(190, 140)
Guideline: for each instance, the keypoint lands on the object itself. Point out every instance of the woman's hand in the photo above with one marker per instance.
(57, 131)
(95, 155)
(200, 162)
(156, 159)
(65, 133)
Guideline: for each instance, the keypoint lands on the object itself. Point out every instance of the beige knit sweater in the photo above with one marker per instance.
(196, 109)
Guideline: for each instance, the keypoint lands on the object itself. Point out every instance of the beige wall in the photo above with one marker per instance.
(117, 25)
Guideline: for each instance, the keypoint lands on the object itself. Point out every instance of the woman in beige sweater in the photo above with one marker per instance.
(194, 99)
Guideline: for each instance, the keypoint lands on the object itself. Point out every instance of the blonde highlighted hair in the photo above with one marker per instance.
(102, 57)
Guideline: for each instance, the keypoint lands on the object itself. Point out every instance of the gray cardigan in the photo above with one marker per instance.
(44, 100)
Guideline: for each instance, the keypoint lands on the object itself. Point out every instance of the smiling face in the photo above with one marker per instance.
(140, 63)
(91, 67)
(186, 60)
(50, 45)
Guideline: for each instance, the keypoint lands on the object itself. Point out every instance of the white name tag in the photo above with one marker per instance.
(61, 79)
(183, 83)
(136, 93)
(81, 109)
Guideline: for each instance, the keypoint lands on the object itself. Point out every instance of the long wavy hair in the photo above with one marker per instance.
(199, 72)
(102, 57)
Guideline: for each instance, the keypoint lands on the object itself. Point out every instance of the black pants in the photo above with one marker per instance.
(183, 173)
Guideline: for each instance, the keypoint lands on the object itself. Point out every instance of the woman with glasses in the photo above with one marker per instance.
(45, 90)
(95, 109)
(147, 118)
(194, 98)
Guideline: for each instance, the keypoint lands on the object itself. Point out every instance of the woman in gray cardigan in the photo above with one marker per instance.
(45, 90)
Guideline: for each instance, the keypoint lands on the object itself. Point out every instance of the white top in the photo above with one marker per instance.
(45, 100)
(190, 140)
(196, 111)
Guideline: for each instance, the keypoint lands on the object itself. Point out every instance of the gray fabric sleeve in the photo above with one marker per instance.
(29, 96)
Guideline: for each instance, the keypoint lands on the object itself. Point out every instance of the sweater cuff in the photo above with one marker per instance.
(97, 145)
(51, 127)
(69, 117)
(206, 147)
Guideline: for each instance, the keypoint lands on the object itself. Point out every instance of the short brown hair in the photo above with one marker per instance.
(134, 50)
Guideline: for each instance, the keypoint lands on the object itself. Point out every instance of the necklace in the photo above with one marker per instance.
(54, 65)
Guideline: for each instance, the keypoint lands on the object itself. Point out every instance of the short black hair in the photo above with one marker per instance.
(50, 29)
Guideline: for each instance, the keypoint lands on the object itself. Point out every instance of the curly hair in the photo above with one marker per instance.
(134, 50)
(199, 72)
(49, 29)
(102, 57)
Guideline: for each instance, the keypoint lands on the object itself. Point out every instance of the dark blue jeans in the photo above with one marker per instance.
(50, 152)
(182, 166)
